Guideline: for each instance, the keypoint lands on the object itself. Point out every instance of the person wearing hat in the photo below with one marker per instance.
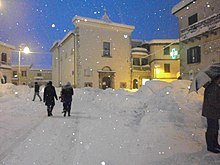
(66, 95)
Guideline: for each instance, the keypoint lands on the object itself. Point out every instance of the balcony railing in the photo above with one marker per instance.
(139, 51)
(141, 68)
(206, 25)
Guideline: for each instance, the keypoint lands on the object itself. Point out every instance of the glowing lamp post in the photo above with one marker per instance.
(22, 48)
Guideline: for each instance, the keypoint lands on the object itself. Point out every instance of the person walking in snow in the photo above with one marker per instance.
(36, 91)
(211, 110)
(66, 97)
(49, 95)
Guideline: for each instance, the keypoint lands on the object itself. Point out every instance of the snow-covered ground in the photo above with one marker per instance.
(160, 124)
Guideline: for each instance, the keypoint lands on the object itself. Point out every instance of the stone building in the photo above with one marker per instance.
(31, 75)
(6, 62)
(96, 54)
(199, 29)
(156, 59)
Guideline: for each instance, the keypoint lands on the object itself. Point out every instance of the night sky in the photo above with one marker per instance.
(39, 23)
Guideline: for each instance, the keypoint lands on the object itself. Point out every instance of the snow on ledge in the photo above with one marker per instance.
(181, 5)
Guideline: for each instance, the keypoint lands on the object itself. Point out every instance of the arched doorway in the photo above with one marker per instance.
(135, 84)
(106, 78)
(106, 82)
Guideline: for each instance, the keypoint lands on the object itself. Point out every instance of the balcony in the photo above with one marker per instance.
(139, 52)
(201, 28)
(6, 65)
(141, 68)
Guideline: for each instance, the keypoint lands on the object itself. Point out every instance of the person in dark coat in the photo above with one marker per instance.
(49, 95)
(211, 110)
(66, 96)
(36, 91)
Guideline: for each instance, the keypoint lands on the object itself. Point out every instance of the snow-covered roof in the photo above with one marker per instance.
(78, 19)
(54, 44)
(66, 36)
(181, 5)
(7, 45)
(37, 69)
(162, 41)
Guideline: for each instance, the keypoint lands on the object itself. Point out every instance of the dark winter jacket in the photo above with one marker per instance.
(211, 103)
(49, 95)
(36, 88)
(67, 93)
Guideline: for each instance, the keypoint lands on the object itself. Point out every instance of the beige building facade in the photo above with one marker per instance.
(96, 54)
(41, 76)
(140, 70)
(6, 62)
(24, 71)
(199, 29)
(164, 59)
(30, 75)
(156, 59)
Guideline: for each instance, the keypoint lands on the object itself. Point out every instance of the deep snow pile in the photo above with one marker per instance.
(159, 124)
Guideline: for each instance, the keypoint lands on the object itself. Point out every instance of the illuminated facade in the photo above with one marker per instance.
(164, 59)
(6, 62)
(96, 54)
(156, 59)
(101, 54)
(199, 28)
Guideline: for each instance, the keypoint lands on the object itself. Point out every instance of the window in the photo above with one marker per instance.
(136, 61)
(87, 72)
(15, 74)
(39, 74)
(193, 19)
(24, 74)
(106, 49)
(194, 55)
(88, 84)
(135, 84)
(4, 58)
(144, 61)
(166, 51)
(167, 68)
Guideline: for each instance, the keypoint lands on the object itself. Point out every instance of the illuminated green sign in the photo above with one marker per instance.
(174, 53)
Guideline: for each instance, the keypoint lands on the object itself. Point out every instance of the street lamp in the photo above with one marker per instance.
(25, 49)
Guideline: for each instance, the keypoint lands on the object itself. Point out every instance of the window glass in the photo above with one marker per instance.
(166, 68)
(194, 55)
(136, 61)
(192, 19)
(24, 74)
(4, 58)
(166, 50)
(106, 49)
(144, 61)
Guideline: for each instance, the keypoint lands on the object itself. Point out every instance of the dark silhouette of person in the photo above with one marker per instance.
(211, 110)
(49, 95)
(66, 96)
(36, 91)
